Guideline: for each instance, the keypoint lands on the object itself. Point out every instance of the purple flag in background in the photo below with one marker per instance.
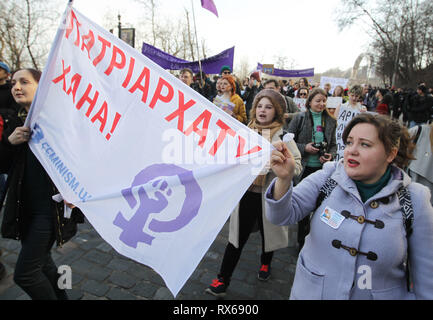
(289, 73)
(210, 65)
(208, 4)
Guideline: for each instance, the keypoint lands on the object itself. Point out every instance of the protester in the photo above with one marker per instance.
(292, 109)
(226, 71)
(363, 228)
(251, 90)
(303, 82)
(267, 119)
(228, 89)
(345, 113)
(314, 132)
(368, 97)
(420, 169)
(8, 112)
(384, 101)
(6, 99)
(293, 89)
(327, 88)
(218, 87)
(397, 103)
(203, 85)
(30, 213)
(339, 92)
(186, 76)
(419, 107)
(302, 93)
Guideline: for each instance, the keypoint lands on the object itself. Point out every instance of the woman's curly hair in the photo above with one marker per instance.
(390, 132)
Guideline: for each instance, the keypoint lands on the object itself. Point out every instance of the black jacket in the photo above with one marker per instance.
(248, 97)
(420, 107)
(15, 219)
(6, 99)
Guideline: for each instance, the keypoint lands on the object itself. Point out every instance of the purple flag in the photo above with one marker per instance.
(289, 73)
(208, 4)
(210, 65)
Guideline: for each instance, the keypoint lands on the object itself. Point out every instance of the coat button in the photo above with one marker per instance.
(374, 204)
(361, 219)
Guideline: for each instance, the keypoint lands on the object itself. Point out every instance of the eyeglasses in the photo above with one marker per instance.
(226, 72)
(303, 94)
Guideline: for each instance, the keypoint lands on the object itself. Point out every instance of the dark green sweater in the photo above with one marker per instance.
(368, 190)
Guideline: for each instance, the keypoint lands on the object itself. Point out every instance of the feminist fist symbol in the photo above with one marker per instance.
(133, 229)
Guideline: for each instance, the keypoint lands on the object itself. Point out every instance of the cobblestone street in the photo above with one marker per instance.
(99, 272)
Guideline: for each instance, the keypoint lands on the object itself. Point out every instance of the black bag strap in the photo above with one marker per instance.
(325, 191)
(405, 200)
(418, 132)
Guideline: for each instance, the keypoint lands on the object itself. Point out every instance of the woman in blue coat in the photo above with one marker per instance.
(372, 218)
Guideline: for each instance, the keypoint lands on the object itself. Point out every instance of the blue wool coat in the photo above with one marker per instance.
(326, 272)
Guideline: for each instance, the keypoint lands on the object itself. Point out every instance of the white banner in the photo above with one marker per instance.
(155, 167)
(334, 82)
(334, 102)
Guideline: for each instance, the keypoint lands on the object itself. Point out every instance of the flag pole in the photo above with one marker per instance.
(196, 40)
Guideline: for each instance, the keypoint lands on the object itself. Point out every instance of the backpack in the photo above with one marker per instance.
(405, 200)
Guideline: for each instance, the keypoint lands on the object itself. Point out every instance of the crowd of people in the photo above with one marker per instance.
(356, 178)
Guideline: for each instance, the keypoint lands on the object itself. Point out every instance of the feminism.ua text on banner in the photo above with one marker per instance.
(154, 166)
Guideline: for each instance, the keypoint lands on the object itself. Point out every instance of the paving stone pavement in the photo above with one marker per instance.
(100, 273)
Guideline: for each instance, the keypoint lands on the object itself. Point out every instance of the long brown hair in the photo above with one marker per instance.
(391, 133)
(277, 100)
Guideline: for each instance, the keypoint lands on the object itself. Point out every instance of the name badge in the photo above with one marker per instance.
(332, 218)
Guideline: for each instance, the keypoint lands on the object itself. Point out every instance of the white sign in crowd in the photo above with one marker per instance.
(105, 119)
(334, 82)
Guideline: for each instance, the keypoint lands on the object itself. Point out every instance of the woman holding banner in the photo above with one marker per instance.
(30, 213)
(314, 132)
(339, 92)
(268, 119)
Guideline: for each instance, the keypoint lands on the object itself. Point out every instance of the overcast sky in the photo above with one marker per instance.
(303, 31)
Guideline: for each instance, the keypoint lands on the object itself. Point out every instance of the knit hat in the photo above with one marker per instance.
(275, 96)
(255, 75)
(225, 68)
(232, 82)
(5, 67)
